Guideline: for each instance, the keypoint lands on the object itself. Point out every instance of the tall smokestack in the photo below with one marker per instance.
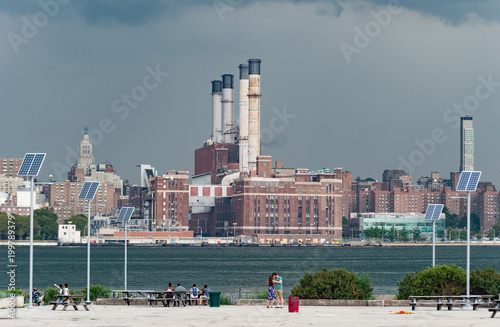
(227, 106)
(243, 141)
(253, 112)
(216, 111)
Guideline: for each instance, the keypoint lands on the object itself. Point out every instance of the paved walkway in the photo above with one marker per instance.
(250, 316)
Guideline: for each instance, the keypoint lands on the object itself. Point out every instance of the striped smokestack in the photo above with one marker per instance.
(243, 140)
(216, 111)
(253, 112)
(227, 107)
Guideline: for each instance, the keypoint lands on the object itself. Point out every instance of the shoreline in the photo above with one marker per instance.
(244, 245)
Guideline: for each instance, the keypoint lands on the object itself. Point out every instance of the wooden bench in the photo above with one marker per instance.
(451, 301)
(67, 300)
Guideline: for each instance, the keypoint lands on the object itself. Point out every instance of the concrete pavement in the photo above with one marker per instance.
(250, 316)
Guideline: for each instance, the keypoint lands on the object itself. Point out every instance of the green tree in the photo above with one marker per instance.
(416, 233)
(3, 225)
(23, 226)
(474, 223)
(345, 221)
(80, 221)
(494, 231)
(373, 232)
(47, 221)
(404, 234)
(392, 233)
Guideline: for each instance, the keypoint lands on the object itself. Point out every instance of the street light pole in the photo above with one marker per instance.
(30, 306)
(468, 248)
(88, 253)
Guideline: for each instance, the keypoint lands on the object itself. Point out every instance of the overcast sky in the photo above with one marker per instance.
(362, 85)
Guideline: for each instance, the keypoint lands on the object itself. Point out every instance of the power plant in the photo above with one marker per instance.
(247, 131)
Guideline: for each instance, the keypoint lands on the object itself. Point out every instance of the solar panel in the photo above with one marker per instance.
(474, 179)
(31, 164)
(88, 190)
(468, 181)
(463, 181)
(84, 190)
(429, 212)
(438, 208)
(125, 214)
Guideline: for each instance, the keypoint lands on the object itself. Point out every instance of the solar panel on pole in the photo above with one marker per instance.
(468, 181)
(429, 212)
(31, 164)
(125, 214)
(88, 190)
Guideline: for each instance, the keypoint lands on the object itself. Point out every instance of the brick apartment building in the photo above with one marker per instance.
(170, 194)
(10, 166)
(63, 200)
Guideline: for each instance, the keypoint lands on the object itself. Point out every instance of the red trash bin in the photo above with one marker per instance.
(293, 304)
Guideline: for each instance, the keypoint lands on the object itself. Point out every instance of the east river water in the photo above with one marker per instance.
(228, 269)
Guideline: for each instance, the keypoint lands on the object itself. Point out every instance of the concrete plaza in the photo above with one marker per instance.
(251, 316)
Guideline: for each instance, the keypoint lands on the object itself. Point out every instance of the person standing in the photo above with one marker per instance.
(271, 292)
(278, 286)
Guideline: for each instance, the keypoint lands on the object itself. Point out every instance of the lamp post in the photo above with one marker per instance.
(468, 182)
(30, 166)
(87, 193)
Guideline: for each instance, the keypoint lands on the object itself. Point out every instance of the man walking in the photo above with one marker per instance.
(279, 289)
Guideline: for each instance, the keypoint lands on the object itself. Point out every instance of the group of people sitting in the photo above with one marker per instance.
(37, 296)
(194, 292)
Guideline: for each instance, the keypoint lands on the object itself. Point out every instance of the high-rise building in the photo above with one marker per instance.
(466, 144)
(10, 166)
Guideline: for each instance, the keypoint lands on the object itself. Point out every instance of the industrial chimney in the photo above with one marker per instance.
(253, 112)
(227, 107)
(243, 140)
(216, 111)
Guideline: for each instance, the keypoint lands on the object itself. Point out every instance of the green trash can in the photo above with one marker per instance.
(214, 299)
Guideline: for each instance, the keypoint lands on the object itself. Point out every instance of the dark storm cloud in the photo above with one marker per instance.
(451, 12)
(139, 12)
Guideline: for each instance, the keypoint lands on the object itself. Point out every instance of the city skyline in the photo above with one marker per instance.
(343, 94)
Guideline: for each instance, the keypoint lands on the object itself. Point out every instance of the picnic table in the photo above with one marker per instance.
(67, 300)
(176, 298)
(495, 309)
(451, 300)
(129, 294)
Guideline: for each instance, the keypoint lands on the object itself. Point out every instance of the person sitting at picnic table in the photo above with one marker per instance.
(170, 287)
(204, 294)
(65, 292)
(179, 288)
(60, 290)
(194, 292)
(37, 296)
